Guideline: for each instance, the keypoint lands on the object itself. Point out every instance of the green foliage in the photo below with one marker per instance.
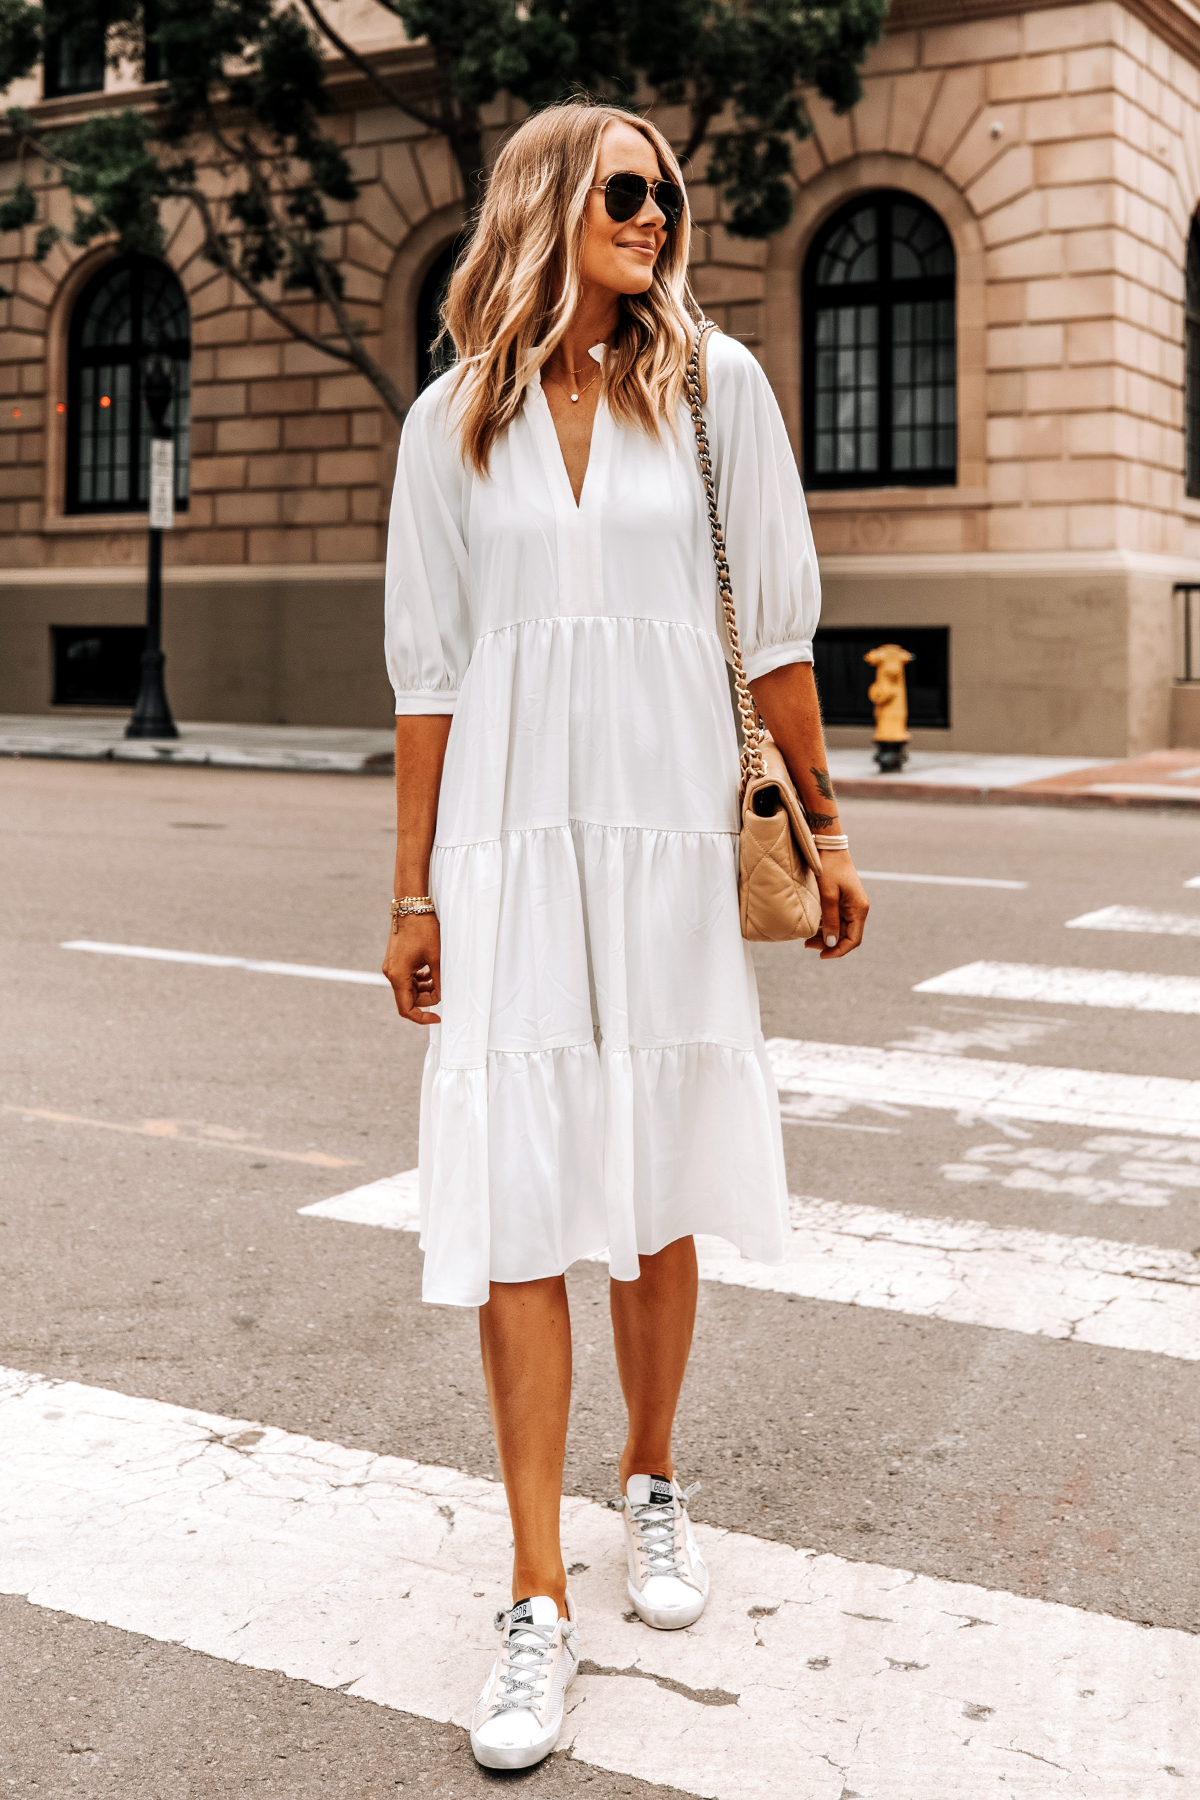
(20, 40)
(110, 165)
(752, 57)
(246, 79)
(263, 119)
(19, 209)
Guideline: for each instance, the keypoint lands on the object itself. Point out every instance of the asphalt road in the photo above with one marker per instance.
(169, 1263)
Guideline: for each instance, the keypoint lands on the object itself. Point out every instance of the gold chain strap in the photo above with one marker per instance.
(753, 729)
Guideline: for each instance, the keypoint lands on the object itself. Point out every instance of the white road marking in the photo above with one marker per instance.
(1138, 918)
(1147, 1178)
(1162, 1105)
(1193, 882)
(1069, 987)
(310, 971)
(940, 880)
(1091, 1290)
(392, 1203)
(336, 1566)
(995, 1031)
(1095, 1291)
(824, 1113)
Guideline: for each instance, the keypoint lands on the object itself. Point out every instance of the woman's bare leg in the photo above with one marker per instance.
(525, 1337)
(652, 1320)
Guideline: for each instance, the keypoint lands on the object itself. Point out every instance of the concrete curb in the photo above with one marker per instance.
(195, 753)
(1014, 796)
(209, 756)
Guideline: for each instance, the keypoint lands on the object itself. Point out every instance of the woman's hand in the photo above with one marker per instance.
(412, 963)
(844, 906)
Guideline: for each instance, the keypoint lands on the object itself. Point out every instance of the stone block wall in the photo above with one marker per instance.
(1062, 147)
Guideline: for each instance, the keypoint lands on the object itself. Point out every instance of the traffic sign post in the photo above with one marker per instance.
(152, 714)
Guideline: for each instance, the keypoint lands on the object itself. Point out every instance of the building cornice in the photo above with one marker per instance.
(407, 67)
(1176, 22)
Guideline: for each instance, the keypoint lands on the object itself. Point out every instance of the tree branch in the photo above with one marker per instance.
(703, 113)
(367, 70)
(353, 352)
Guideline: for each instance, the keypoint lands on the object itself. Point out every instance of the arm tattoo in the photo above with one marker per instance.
(819, 821)
(824, 785)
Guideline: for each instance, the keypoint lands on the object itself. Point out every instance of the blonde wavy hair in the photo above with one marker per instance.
(513, 294)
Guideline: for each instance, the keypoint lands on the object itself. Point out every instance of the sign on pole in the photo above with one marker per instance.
(162, 484)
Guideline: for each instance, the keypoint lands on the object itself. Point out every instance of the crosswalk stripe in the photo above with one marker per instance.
(1138, 918)
(1158, 1105)
(310, 971)
(1069, 987)
(806, 1674)
(1092, 1290)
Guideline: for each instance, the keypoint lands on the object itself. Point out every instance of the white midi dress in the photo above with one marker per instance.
(598, 1080)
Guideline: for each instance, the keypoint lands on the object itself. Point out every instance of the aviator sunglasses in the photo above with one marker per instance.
(625, 195)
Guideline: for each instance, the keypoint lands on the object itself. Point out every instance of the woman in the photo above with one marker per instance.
(567, 789)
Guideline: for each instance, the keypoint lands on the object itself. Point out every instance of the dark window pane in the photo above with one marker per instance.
(97, 665)
(433, 362)
(923, 384)
(921, 244)
(134, 309)
(852, 252)
(847, 384)
(881, 374)
(73, 62)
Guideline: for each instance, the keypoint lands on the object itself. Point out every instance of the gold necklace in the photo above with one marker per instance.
(553, 379)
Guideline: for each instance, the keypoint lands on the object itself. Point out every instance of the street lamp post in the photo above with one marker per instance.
(152, 715)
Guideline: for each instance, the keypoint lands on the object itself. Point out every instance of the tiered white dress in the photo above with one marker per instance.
(599, 1078)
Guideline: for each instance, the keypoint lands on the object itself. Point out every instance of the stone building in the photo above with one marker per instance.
(982, 325)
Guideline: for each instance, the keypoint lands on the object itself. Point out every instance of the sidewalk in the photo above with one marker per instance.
(1161, 778)
(313, 749)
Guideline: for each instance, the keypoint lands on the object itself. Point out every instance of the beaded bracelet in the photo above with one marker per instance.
(408, 905)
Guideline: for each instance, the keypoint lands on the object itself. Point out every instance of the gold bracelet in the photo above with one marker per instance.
(408, 905)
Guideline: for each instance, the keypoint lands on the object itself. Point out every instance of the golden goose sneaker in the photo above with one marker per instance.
(519, 1713)
(668, 1581)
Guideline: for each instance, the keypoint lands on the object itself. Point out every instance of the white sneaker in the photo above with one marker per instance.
(519, 1713)
(668, 1580)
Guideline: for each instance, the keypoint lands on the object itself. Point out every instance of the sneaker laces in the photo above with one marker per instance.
(523, 1661)
(655, 1525)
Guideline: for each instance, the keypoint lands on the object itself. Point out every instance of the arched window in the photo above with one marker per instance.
(1192, 363)
(879, 350)
(132, 309)
(430, 362)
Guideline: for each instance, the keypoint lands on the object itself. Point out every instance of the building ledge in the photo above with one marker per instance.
(1176, 22)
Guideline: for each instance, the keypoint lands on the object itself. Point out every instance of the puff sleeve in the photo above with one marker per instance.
(768, 539)
(428, 634)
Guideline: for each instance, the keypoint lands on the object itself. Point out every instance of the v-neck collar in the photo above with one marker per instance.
(577, 525)
(553, 460)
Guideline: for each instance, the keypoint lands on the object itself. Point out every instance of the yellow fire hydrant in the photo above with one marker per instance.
(888, 694)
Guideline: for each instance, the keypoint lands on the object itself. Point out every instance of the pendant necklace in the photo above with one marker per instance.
(583, 390)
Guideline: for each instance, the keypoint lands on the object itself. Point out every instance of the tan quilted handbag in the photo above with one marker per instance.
(778, 863)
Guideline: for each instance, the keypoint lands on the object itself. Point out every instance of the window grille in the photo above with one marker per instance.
(132, 309)
(880, 379)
